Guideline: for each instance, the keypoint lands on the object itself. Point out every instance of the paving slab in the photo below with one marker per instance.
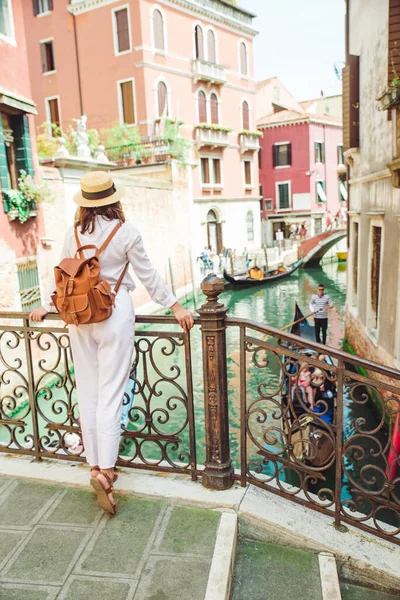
(268, 571)
(75, 507)
(21, 592)
(23, 503)
(86, 588)
(202, 525)
(355, 592)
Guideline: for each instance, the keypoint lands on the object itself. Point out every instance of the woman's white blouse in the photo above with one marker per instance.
(126, 246)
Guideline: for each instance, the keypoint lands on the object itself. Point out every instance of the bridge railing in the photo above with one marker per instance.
(311, 424)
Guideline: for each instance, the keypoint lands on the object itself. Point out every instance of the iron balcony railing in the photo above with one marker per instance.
(250, 418)
(129, 155)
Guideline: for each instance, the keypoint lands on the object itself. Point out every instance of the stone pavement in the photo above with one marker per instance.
(56, 544)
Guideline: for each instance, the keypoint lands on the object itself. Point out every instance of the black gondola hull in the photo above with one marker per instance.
(247, 282)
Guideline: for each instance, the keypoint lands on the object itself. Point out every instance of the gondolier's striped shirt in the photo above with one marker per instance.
(318, 304)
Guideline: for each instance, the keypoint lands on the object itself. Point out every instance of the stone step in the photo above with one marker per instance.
(355, 592)
(267, 571)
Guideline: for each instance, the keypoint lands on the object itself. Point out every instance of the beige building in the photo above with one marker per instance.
(371, 130)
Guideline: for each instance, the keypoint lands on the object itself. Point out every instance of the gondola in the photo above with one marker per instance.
(245, 281)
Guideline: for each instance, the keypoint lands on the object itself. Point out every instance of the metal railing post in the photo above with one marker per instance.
(218, 473)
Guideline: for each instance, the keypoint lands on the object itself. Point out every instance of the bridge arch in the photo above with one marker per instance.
(313, 249)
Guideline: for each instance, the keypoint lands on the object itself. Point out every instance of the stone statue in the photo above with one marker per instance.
(62, 151)
(82, 139)
(100, 155)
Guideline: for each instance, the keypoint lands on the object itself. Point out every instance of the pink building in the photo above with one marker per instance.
(302, 175)
(18, 241)
(137, 61)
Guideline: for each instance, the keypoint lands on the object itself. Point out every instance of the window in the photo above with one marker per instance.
(202, 106)
(319, 152)
(340, 157)
(47, 56)
(376, 239)
(122, 36)
(320, 191)
(283, 195)
(248, 181)
(243, 59)
(217, 171)
(282, 154)
(29, 287)
(245, 115)
(205, 171)
(199, 42)
(6, 23)
(41, 6)
(250, 226)
(158, 30)
(268, 204)
(15, 152)
(343, 191)
(211, 171)
(162, 99)
(127, 111)
(211, 48)
(354, 246)
(53, 112)
(214, 109)
(214, 232)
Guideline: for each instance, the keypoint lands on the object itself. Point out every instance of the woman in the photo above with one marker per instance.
(103, 351)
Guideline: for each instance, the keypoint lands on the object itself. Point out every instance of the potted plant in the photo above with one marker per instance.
(22, 203)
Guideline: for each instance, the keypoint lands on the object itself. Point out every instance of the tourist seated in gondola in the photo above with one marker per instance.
(256, 273)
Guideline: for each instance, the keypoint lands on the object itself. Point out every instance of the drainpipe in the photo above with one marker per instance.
(77, 66)
(347, 48)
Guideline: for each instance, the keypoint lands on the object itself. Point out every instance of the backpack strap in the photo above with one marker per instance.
(121, 278)
(110, 237)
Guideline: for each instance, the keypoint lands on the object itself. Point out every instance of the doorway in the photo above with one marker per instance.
(214, 232)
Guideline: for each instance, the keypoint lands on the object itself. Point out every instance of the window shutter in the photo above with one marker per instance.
(54, 112)
(4, 181)
(245, 115)
(198, 33)
(121, 17)
(127, 102)
(394, 40)
(202, 104)
(43, 57)
(375, 269)
(217, 171)
(50, 4)
(275, 155)
(20, 126)
(219, 237)
(35, 5)
(323, 153)
(243, 59)
(214, 109)
(351, 102)
(158, 25)
(316, 152)
(211, 47)
(162, 99)
(289, 154)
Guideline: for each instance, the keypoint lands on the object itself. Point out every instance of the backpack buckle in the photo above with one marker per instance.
(70, 285)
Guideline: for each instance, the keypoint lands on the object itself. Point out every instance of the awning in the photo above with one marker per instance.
(343, 191)
(321, 193)
(11, 100)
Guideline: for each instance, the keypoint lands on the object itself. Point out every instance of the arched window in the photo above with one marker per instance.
(202, 106)
(245, 115)
(199, 42)
(212, 53)
(214, 109)
(162, 98)
(243, 59)
(158, 30)
(214, 232)
(250, 226)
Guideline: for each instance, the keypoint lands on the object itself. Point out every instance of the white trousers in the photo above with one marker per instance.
(102, 354)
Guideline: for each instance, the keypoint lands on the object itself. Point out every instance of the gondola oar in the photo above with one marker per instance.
(298, 321)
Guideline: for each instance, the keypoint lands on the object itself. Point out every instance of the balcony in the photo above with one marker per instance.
(208, 72)
(249, 142)
(214, 138)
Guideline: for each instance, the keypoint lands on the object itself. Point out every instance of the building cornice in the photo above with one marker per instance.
(299, 121)
(215, 11)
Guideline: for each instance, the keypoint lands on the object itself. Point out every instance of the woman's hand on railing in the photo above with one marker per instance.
(183, 316)
(38, 314)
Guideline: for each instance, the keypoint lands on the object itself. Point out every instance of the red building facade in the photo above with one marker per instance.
(18, 241)
(301, 161)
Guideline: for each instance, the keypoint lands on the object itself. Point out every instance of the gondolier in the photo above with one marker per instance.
(320, 305)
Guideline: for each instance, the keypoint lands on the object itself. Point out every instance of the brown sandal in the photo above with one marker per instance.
(93, 469)
(102, 492)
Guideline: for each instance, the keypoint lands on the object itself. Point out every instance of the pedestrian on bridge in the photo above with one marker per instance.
(320, 305)
(102, 343)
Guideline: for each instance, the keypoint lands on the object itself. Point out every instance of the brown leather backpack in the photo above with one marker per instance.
(81, 296)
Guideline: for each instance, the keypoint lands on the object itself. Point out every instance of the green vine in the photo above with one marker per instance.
(24, 200)
(214, 127)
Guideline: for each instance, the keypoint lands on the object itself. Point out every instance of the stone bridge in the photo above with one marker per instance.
(313, 249)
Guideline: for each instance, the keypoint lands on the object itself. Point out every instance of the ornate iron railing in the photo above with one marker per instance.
(318, 430)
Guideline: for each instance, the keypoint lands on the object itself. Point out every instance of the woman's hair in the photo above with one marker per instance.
(86, 217)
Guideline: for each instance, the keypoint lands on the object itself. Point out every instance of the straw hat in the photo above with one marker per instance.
(98, 189)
